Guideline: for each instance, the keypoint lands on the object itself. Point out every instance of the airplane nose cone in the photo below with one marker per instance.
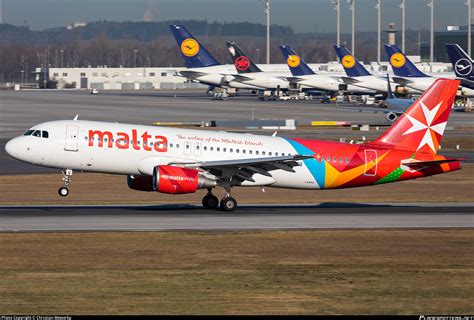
(10, 148)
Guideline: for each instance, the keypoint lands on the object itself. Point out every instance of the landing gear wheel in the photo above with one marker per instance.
(210, 201)
(228, 204)
(63, 191)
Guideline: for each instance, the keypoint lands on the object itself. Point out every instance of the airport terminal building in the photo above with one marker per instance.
(105, 78)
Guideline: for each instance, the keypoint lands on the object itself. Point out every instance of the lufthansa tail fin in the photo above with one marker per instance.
(421, 127)
(401, 65)
(241, 60)
(351, 65)
(462, 63)
(296, 64)
(193, 52)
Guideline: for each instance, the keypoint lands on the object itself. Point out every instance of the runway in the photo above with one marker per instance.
(262, 217)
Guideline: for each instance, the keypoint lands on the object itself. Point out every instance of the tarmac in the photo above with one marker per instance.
(247, 217)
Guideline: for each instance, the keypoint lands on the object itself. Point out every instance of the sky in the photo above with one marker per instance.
(301, 15)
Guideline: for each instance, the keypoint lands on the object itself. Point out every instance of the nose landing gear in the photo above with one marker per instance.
(64, 191)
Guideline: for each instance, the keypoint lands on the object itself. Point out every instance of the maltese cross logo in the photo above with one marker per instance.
(426, 124)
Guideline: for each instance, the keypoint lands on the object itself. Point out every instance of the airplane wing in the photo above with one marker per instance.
(294, 79)
(372, 109)
(241, 78)
(466, 83)
(402, 81)
(349, 80)
(244, 169)
(192, 74)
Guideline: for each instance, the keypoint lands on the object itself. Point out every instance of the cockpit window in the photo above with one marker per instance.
(45, 134)
(37, 133)
(28, 133)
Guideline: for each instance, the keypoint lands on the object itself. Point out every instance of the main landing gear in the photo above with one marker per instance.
(227, 203)
(64, 191)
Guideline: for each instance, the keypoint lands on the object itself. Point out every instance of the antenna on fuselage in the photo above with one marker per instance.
(76, 117)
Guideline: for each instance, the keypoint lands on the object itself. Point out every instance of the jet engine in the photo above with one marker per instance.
(178, 180)
(140, 183)
(391, 116)
(401, 89)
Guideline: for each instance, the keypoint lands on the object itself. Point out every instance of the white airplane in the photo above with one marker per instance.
(250, 74)
(303, 75)
(201, 65)
(407, 74)
(180, 161)
(358, 75)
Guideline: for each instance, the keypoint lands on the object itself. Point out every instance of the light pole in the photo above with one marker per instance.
(337, 7)
(26, 72)
(267, 12)
(352, 8)
(135, 58)
(258, 51)
(469, 13)
(402, 6)
(430, 4)
(377, 6)
(62, 58)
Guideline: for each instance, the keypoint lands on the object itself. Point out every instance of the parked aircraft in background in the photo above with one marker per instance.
(407, 74)
(180, 161)
(303, 75)
(250, 74)
(392, 106)
(462, 65)
(357, 74)
(201, 65)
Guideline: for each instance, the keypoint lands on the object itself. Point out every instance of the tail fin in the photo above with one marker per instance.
(194, 54)
(401, 65)
(421, 127)
(351, 65)
(462, 63)
(242, 61)
(296, 64)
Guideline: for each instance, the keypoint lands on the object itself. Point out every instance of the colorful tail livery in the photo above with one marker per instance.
(241, 60)
(296, 64)
(421, 127)
(462, 63)
(194, 54)
(401, 65)
(351, 65)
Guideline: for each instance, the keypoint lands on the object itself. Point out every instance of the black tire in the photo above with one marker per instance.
(63, 191)
(210, 201)
(228, 204)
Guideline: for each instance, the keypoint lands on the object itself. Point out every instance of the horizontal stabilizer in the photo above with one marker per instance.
(349, 80)
(414, 164)
(402, 81)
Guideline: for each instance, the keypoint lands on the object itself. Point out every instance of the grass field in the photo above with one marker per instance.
(297, 272)
(88, 188)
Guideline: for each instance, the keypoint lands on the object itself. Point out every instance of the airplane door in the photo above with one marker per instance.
(72, 138)
(187, 148)
(197, 149)
(370, 162)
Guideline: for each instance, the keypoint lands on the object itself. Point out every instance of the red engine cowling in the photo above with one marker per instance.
(177, 180)
(140, 183)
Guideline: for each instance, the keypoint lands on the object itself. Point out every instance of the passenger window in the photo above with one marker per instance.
(218, 149)
(257, 152)
(231, 150)
(177, 145)
(334, 159)
(225, 149)
(212, 148)
(243, 151)
(328, 159)
(250, 151)
(276, 154)
(171, 145)
(205, 148)
(270, 153)
(340, 160)
(263, 153)
(187, 146)
(347, 160)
